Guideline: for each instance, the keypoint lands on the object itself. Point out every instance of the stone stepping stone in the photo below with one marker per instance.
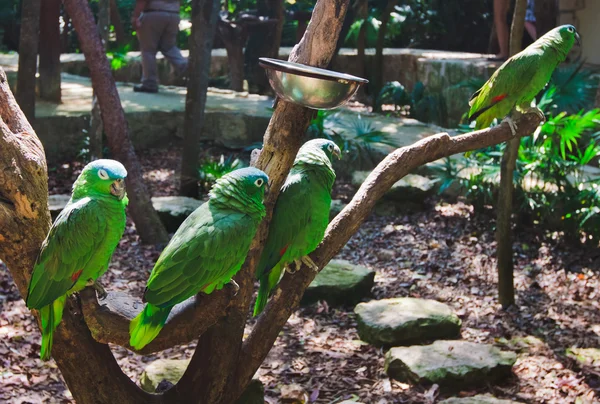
(412, 188)
(340, 283)
(172, 210)
(478, 399)
(167, 372)
(405, 321)
(455, 364)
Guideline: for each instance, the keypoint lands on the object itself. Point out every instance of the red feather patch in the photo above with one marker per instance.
(283, 250)
(499, 98)
(76, 275)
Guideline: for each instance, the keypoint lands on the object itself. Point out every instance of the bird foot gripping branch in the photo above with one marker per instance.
(512, 124)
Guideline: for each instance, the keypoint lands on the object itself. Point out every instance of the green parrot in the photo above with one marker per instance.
(79, 245)
(207, 250)
(520, 78)
(300, 216)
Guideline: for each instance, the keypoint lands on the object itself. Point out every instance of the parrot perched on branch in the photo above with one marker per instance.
(520, 78)
(207, 250)
(300, 216)
(79, 245)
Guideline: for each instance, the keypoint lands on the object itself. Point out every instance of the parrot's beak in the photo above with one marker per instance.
(578, 39)
(117, 188)
(337, 152)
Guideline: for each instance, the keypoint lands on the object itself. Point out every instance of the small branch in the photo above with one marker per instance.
(108, 320)
(395, 166)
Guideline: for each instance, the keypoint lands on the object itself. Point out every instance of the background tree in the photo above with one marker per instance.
(28, 49)
(50, 51)
(204, 25)
(377, 82)
(145, 217)
(506, 288)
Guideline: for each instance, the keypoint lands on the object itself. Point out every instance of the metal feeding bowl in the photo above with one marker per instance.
(310, 86)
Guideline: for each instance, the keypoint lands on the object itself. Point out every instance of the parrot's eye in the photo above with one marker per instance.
(259, 182)
(570, 29)
(330, 147)
(102, 174)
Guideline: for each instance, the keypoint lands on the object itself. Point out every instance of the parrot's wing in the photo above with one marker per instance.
(509, 80)
(207, 247)
(72, 241)
(291, 215)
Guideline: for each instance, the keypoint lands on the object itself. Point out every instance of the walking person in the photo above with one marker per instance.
(157, 25)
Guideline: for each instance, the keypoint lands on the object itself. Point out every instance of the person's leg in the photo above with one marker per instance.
(168, 44)
(500, 12)
(149, 36)
(530, 27)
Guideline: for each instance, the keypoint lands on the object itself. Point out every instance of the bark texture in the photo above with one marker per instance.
(28, 48)
(233, 37)
(50, 51)
(506, 291)
(145, 217)
(204, 24)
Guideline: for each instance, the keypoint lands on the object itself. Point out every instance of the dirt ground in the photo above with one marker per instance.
(444, 252)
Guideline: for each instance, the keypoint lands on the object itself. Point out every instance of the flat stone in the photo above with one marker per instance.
(167, 372)
(454, 364)
(405, 320)
(57, 203)
(173, 210)
(478, 399)
(585, 356)
(340, 283)
(412, 188)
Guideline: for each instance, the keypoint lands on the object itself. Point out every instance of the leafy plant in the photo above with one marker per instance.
(118, 57)
(419, 104)
(211, 170)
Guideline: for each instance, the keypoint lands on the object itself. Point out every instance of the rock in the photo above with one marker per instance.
(585, 356)
(455, 364)
(403, 321)
(57, 204)
(335, 208)
(478, 399)
(340, 283)
(293, 394)
(173, 210)
(407, 194)
(385, 254)
(162, 373)
(170, 370)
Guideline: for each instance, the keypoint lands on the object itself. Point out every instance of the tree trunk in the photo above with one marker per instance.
(546, 12)
(145, 217)
(378, 71)
(234, 39)
(115, 19)
(96, 128)
(50, 51)
(204, 24)
(362, 13)
(28, 48)
(506, 291)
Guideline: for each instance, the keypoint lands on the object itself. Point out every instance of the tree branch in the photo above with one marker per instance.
(108, 320)
(396, 165)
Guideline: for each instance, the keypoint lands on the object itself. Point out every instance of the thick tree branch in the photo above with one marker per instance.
(108, 320)
(395, 166)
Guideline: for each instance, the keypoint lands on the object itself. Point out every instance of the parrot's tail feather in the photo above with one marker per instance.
(50, 316)
(263, 296)
(147, 325)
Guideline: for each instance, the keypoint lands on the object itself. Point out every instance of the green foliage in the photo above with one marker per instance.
(118, 57)
(357, 143)
(552, 186)
(420, 104)
(211, 170)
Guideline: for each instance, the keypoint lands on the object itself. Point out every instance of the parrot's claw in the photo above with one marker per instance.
(98, 288)
(511, 124)
(538, 112)
(236, 287)
(289, 269)
(310, 263)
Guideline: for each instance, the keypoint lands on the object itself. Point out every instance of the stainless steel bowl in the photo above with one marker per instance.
(310, 86)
